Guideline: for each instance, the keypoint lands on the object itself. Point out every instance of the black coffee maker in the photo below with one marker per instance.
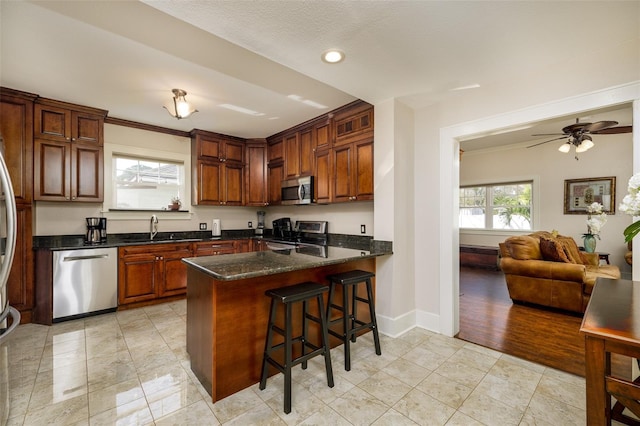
(282, 228)
(96, 230)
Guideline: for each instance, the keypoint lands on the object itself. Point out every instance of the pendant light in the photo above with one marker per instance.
(181, 108)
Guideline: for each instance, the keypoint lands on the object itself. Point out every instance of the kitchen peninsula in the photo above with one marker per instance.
(227, 310)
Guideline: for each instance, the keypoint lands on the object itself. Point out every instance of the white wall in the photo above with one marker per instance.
(61, 218)
(611, 156)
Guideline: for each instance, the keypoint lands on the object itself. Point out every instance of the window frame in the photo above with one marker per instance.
(112, 213)
(535, 210)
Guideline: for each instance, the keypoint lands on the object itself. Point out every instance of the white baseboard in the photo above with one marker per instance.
(395, 327)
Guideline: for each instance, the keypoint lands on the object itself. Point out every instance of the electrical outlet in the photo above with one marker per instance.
(203, 226)
(250, 224)
(363, 229)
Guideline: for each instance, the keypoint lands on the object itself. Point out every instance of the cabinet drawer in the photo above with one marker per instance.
(212, 248)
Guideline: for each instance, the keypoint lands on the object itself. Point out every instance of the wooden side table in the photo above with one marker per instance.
(604, 256)
(611, 324)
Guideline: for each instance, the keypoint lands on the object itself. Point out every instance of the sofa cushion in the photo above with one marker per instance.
(553, 250)
(571, 249)
(524, 247)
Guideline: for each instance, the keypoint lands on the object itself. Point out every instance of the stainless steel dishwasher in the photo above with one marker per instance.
(85, 281)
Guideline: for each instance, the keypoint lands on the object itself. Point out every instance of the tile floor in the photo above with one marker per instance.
(131, 368)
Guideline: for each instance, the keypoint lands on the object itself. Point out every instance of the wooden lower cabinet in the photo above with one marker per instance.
(213, 248)
(149, 272)
(20, 286)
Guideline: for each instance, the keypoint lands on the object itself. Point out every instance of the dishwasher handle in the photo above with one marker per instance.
(93, 256)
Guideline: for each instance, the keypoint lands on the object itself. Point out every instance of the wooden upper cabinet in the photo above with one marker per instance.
(276, 176)
(276, 150)
(215, 147)
(58, 121)
(217, 163)
(322, 173)
(292, 155)
(16, 134)
(322, 135)
(256, 192)
(354, 123)
(307, 148)
(352, 167)
(68, 152)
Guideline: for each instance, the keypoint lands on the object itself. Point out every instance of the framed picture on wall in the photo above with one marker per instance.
(580, 193)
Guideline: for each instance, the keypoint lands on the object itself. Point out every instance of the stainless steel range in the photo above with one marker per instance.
(308, 237)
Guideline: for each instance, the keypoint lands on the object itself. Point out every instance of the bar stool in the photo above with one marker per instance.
(286, 296)
(350, 322)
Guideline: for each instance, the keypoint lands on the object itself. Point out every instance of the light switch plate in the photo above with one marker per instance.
(203, 226)
(363, 229)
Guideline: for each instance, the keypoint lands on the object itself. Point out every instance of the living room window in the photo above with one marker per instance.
(141, 183)
(498, 206)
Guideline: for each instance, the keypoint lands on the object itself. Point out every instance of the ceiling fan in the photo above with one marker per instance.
(578, 134)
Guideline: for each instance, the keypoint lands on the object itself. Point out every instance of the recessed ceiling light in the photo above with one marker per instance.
(333, 56)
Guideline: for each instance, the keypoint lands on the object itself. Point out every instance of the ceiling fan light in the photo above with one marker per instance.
(565, 148)
(584, 146)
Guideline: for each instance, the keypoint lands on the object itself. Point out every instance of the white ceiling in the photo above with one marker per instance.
(126, 56)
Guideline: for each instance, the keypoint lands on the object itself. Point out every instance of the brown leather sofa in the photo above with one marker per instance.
(549, 270)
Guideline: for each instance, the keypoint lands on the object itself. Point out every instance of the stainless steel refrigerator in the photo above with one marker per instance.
(9, 316)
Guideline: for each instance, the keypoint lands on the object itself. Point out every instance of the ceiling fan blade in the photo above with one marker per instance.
(599, 125)
(550, 140)
(576, 127)
(613, 130)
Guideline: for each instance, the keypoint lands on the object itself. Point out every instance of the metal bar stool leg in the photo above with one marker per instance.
(305, 327)
(354, 311)
(376, 337)
(325, 342)
(267, 345)
(287, 359)
(346, 323)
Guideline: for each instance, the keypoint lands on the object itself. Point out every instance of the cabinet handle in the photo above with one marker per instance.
(66, 198)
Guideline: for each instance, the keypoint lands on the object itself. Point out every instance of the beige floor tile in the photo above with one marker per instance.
(407, 371)
(423, 409)
(461, 419)
(135, 412)
(425, 358)
(325, 416)
(516, 373)
(393, 418)
(544, 408)
(385, 387)
(172, 398)
(444, 390)
(69, 412)
(114, 396)
(197, 413)
(508, 392)
(474, 359)
(303, 405)
(261, 415)
(569, 393)
(461, 373)
(490, 411)
(369, 407)
(241, 402)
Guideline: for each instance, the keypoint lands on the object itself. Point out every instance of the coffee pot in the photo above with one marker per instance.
(96, 230)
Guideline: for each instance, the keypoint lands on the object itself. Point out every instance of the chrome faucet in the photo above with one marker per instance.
(153, 226)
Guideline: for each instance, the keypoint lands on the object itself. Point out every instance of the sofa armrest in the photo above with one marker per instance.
(544, 269)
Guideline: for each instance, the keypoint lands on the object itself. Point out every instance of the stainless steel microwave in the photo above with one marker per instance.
(297, 191)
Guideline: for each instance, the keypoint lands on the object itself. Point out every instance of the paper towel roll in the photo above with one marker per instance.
(216, 230)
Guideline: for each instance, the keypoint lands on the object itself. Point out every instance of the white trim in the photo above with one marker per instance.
(450, 176)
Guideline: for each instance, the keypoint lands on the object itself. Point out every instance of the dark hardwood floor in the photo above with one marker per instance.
(489, 318)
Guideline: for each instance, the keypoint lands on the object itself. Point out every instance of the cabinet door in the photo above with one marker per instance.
(292, 155)
(51, 174)
(256, 175)
(174, 272)
(87, 128)
(207, 187)
(363, 171)
(322, 175)
(342, 173)
(233, 181)
(16, 130)
(52, 123)
(208, 148)
(276, 151)
(87, 172)
(322, 135)
(234, 151)
(307, 147)
(137, 277)
(20, 289)
(276, 176)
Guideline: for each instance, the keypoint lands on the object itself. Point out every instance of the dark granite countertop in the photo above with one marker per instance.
(72, 242)
(249, 265)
